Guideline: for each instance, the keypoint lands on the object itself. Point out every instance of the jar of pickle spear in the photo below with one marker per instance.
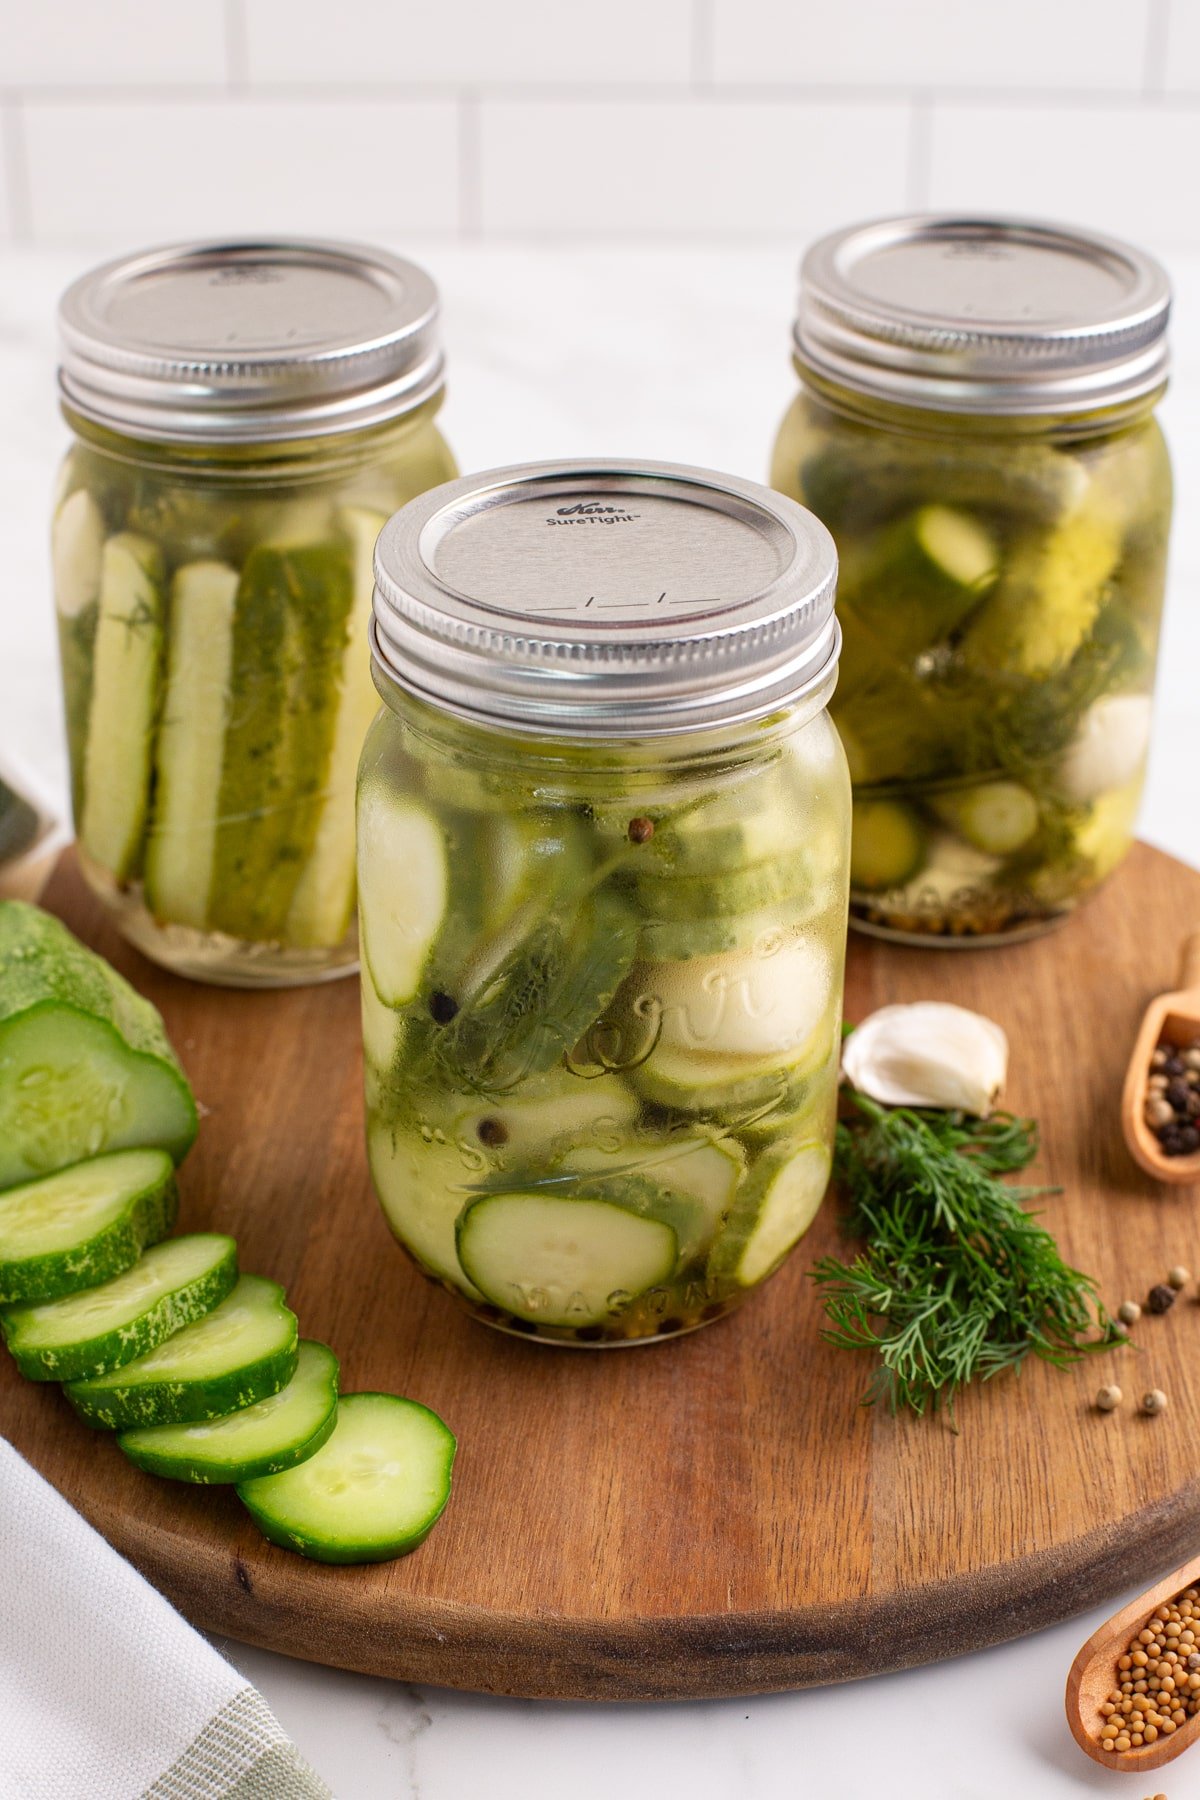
(245, 417)
(976, 427)
(603, 831)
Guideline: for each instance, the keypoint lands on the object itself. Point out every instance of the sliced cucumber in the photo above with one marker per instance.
(888, 846)
(288, 642)
(543, 1117)
(126, 690)
(76, 553)
(82, 1225)
(749, 888)
(777, 1203)
(374, 1490)
(242, 1351)
(422, 1187)
(565, 1262)
(85, 1065)
(86, 1334)
(764, 1006)
(262, 1439)
(404, 888)
(997, 817)
(678, 940)
(690, 1187)
(323, 904)
(183, 835)
(956, 546)
(726, 1090)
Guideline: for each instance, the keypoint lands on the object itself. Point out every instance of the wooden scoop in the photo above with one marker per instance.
(1094, 1675)
(1175, 1018)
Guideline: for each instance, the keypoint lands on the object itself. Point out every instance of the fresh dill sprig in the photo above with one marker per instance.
(956, 1280)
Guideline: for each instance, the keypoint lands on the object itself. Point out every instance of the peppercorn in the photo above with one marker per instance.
(1154, 1402)
(1109, 1398)
(492, 1132)
(1129, 1312)
(1179, 1277)
(1161, 1298)
(641, 830)
(442, 1007)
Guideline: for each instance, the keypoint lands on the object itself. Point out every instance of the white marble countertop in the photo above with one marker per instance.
(679, 354)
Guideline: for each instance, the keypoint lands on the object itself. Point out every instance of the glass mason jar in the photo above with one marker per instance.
(245, 419)
(976, 427)
(603, 830)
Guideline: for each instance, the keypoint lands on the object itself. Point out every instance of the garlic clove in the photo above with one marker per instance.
(928, 1053)
(1109, 749)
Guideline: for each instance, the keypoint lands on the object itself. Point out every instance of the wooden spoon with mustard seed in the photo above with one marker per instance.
(1094, 1675)
(1173, 1019)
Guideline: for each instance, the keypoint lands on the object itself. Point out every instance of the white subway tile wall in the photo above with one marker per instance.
(511, 120)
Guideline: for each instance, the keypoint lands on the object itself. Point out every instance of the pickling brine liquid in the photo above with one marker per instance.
(212, 613)
(601, 1013)
(1000, 593)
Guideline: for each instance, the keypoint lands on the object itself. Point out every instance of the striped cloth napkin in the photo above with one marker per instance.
(106, 1693)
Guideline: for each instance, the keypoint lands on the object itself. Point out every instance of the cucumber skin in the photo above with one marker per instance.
(112, 1251)
(178, 1468)
(43, 965)
(113, 1349)
(321, 1550)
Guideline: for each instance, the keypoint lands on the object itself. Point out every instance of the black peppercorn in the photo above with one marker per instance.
(442, 1007)
(641, 830)
(1161, 1298)
(492, 1132)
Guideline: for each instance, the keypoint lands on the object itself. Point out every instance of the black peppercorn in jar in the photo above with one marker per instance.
(246, 416)
(603, 832)
(976, 427)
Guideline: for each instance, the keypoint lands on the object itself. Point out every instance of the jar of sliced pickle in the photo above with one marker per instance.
(976, 427)
(245, 418)
(603, 831)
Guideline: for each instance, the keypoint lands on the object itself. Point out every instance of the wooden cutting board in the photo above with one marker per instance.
(717, 1514)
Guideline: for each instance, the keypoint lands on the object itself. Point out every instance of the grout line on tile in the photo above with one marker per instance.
(702, 45)
(470, 168)
(920, 152)
(237, 61)
(1158, 30)
(16, 166)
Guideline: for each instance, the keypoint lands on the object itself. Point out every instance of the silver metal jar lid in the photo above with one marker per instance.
(605, 599)
(983, 315)
(249, 342)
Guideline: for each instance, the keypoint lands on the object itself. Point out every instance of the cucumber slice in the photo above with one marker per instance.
(957, 546)
(765, 1007)
(751, 888)
(422, 1187)
(778, 1201)
(125, 703)
(76, 553)
(678, 940)
(82, 1225)
(997, 817)
(690, 1187)
(181, 849)
(289, 635)
(373, 1491)
(323, 904)
(726, 1090)
(566, 1262)
(543, 1117)
(273, 1434)
(403, 890)
(85, 1065)
(887, 846)
(242, 1351)
(86, 1334)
